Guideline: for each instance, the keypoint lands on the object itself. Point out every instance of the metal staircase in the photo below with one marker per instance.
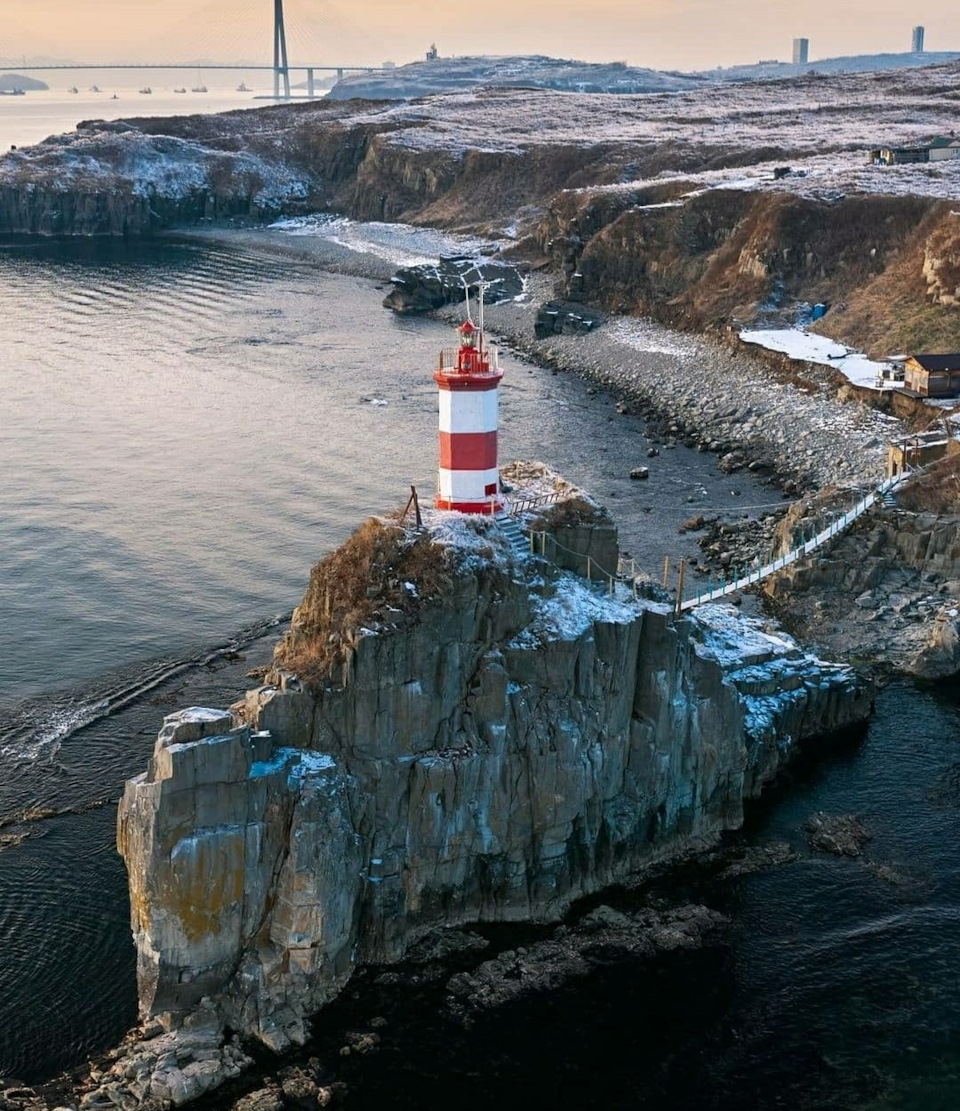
(514, 533)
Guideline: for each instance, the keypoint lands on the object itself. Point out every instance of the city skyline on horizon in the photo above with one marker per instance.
(740, 32)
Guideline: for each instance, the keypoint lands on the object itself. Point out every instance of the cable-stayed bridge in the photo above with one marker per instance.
(281, 67)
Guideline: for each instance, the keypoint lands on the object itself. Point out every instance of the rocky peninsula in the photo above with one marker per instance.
(454, 731)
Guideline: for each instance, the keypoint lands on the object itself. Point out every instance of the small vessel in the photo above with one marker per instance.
(114, 97)
(94, 88)
(199, 87)
(242, 87)
(179, 90)
(147, 90)
(73, 89)
(12, 92)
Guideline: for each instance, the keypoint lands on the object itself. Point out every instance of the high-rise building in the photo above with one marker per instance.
(801, 51)
(917, 42)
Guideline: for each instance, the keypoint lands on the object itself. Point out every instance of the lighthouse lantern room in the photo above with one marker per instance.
(469, 377)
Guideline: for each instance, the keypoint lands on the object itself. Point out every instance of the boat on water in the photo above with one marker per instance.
(242, 87)
(94, 88)
(146, 90)
(12, 92)
(179, 90)
(73, 89)
(199, 89)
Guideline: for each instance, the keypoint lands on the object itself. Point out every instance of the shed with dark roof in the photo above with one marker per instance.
(933, 375)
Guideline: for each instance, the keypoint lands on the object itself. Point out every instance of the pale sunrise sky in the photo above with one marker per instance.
(663, 34)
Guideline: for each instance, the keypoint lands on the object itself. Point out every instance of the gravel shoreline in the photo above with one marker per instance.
(700, 392)
(707, 396)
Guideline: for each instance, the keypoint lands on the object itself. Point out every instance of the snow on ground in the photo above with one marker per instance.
(803, 117)
(820, 125)
(536, 482)
(476, 538)
(819, 177)
(726, 394)
(858, 369)
(576, 605)
(147, 165)
(424, 78)
(644, 335)
(401, 244)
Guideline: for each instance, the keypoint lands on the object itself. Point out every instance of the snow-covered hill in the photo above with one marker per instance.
(450, 74)
(444, 75)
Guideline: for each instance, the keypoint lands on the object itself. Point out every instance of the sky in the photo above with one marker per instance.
(662, 34)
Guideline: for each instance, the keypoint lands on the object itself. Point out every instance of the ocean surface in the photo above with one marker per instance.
(184, 430)
(28, 119)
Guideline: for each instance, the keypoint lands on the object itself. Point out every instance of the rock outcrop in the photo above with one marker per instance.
(888, 591)
(427, 286)
(512, 741)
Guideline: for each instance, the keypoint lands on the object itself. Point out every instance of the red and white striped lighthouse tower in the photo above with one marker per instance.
(469, 479)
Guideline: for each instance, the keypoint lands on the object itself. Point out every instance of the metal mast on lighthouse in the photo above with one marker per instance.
(469, 478)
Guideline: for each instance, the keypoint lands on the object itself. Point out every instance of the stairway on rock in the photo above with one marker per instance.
(514, 533)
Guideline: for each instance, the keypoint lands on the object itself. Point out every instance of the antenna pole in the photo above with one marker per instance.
(482, 287)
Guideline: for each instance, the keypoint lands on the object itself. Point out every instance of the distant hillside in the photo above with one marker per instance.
(451, 74)
(854, 63)
(444, 75)
(11, 81)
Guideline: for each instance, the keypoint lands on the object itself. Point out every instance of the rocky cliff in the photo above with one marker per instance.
(484, 737)
(886, 265)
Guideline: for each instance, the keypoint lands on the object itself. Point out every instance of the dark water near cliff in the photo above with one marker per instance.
(183, 431)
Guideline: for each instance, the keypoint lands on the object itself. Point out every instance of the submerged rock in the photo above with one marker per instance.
(603, 936)
(840, 834)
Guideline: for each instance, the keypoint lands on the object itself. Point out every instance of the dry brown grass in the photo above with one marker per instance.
(359, 585)
(936, 491)
(572, 513)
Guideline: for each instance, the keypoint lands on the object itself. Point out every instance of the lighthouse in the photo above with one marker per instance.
(469, 377)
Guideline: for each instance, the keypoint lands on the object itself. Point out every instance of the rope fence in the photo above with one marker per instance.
(541, 541)
(594, 572)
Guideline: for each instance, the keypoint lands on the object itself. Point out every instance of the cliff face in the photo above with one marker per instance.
(113, 179)
(521, 741)
(717, 255)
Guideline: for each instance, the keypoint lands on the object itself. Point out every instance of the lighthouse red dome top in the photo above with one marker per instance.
(472, 364)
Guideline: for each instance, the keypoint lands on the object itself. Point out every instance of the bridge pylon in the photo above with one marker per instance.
(281, 68)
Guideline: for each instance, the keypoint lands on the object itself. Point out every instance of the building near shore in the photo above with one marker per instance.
(801, 52)
(939, 150)
(933, 375)
(921, 449)
(916, 41)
